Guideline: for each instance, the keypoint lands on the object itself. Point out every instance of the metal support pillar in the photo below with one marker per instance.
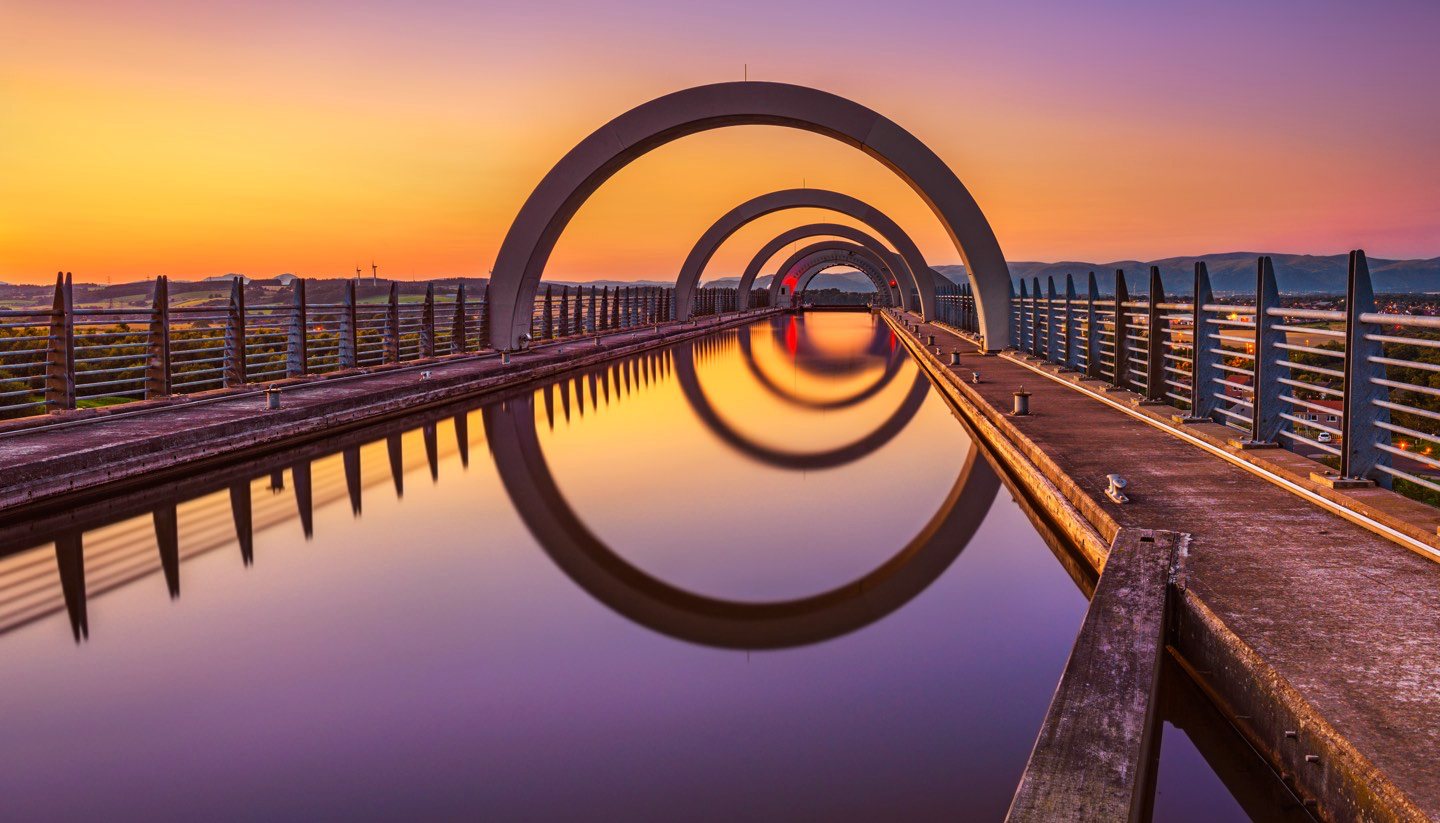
(157, 342)
(427, 323)
(1204, 365)
(348, 350)
(1360, 450)
(60, 348)
(1022, 319)
(1036, 344)
(390, 335)
(235, 366)
(1092, 332)
(458, 324)
(1122, 332)
(1052, 333)
(1265, 421)
(1071, 360)
(296, 349)
(1155, 340)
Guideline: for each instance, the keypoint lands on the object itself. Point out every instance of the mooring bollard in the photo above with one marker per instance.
(954, 358)
(272, 398)
(505, 358)
(1116, 490)
(930, 340)
(974, 377)
(1022, 403)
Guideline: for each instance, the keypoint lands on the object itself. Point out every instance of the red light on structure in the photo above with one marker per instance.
(792, 336)
(892, 284)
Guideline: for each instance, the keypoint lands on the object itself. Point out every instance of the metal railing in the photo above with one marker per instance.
(67, 357)
(716, 301)
(1355, 387)
(955, 307)
(575, 311)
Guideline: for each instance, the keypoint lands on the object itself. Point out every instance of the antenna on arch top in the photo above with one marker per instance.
(747, 72)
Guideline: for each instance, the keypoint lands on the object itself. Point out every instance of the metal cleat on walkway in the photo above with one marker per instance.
(1116, 490)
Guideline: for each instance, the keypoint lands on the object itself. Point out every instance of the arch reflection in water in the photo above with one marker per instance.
(882, 346)
(671, 610)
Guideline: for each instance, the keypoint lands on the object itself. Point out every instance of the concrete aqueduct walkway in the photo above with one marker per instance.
(1318, 636)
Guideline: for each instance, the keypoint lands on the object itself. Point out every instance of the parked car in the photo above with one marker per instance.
(1325, 437)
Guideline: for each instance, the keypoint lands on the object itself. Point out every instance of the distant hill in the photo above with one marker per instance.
(1235, 272)
(1232, 272)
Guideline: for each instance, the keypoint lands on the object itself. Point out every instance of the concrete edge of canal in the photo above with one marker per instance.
(1315, 761)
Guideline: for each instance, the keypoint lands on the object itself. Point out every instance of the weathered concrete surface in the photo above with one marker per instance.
(44, 462)
(1092, 758)
(1294, 618)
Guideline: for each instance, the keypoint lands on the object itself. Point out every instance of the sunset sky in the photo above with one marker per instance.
(193, 139)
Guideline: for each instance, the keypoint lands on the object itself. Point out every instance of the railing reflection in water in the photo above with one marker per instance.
(99, 547)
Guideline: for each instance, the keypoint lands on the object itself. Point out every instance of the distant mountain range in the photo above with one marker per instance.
(1235, 272)
(1229, 272)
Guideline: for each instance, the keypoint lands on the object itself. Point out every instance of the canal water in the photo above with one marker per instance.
(762, 575)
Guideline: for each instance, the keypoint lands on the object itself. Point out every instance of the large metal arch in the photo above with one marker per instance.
(523, 254)
(829, 258)
(676, 612)
(813, 268)
(836, 252)
(917, 292)
(894, 263)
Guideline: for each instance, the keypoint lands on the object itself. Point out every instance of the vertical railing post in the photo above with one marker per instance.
(547, 323)
(1155, 340)
(157, 342)
(1035, 342)
(349, 343)
(1071, 360)
(296, 350)
(458, 341)
(1205, 362)
(235, 365)
(390, 334)
(1022, 321)
(603, 322)
(615, 310)
(1092, 332)
(564, 311)
(1360, 444)
(60, 348)
(1122, 332)
(590, 327)
(1265, 421)
(1051, 332)
(427, 323)
(482, 335)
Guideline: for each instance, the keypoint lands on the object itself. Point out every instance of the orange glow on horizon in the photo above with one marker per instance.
(189, 141)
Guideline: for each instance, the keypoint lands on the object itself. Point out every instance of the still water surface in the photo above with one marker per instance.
(764, 575)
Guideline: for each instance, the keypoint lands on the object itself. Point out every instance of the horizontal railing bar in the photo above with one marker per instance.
(1404, 475)
(1419, 458)
(1315, 387)
(1408, 432)
(1316, 443)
